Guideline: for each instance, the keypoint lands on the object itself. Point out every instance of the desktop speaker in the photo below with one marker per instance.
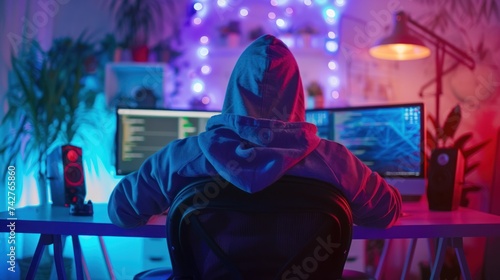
(445, 179)
(66, 176)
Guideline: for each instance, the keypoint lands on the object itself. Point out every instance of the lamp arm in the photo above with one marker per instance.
(432, 81)
(446, 46)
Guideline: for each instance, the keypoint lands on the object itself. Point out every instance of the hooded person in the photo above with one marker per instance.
(260, 135)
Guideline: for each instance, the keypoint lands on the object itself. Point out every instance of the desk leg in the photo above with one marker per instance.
(431, 247)
(383, 255)
(106, 258)
(77, 252)
(35, 261)
(58, 257)
(409, 258)
(457, 243)
(440, 255)
(85, 268)
(47, 239)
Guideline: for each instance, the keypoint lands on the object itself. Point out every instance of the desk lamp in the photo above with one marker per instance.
(407, 43)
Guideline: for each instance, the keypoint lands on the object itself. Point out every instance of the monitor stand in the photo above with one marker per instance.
(411, 189)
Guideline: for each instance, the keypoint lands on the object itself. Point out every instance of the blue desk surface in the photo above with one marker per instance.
(57, 220)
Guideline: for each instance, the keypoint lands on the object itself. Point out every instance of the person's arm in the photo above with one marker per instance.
(377, 204)
(138, 196)
(373, 201)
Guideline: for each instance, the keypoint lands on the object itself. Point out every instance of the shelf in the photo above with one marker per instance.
(124, 80)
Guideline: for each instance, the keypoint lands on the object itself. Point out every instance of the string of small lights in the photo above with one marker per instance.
(230, 24)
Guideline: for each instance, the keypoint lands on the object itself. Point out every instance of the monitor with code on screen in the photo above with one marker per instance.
(390, 139)
(142, 132)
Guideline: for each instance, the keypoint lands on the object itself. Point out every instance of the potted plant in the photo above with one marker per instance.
(109, 48)
(136, 21)
(315, 92)
(306, 33)
(256, 33)
(444, 137)
(45, 103)
(231, 33)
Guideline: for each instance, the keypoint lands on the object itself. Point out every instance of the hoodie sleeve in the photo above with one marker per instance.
(376, 204)
(373, 201)
(138, 196)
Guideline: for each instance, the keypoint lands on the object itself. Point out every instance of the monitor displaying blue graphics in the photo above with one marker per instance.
(142, 132)
(389, 139)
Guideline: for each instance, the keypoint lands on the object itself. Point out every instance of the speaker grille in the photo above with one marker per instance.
(67, 181)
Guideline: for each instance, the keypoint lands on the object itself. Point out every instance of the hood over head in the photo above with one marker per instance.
(261, 133)
(266, 83)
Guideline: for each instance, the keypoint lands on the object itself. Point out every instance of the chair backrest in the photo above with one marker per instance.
(297, 228)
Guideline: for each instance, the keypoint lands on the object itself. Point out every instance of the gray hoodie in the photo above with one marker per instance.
(260, 136)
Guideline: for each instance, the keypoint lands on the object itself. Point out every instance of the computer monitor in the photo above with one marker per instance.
(142, 132)
(389, 139)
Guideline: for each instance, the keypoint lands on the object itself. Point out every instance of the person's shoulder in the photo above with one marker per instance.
(332, 146)
(179, 151)
(184, 144)
(335, 153)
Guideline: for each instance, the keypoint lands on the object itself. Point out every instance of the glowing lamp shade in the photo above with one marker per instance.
(400, 45)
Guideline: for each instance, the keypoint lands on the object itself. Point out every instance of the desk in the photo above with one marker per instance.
(54, 222)
(448, 227)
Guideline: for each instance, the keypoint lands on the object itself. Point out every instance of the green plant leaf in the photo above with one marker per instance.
(43, 101)
(470, 168)
(451, 123)
(471, 151)
(141, 17)
(11, 147)
(462, 140)
(464, 201)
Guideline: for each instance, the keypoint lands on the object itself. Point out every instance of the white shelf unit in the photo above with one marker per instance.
(122, 80)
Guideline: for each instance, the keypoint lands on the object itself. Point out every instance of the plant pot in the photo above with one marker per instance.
(91, 64)
(233, 40)
(164, 55)
(42, 186)
(140, 54)
(306, 40)
(117, 55)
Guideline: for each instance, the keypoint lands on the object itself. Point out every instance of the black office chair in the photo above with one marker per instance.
(297, 228)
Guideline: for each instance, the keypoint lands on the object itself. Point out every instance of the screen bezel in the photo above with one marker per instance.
(423, 158)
